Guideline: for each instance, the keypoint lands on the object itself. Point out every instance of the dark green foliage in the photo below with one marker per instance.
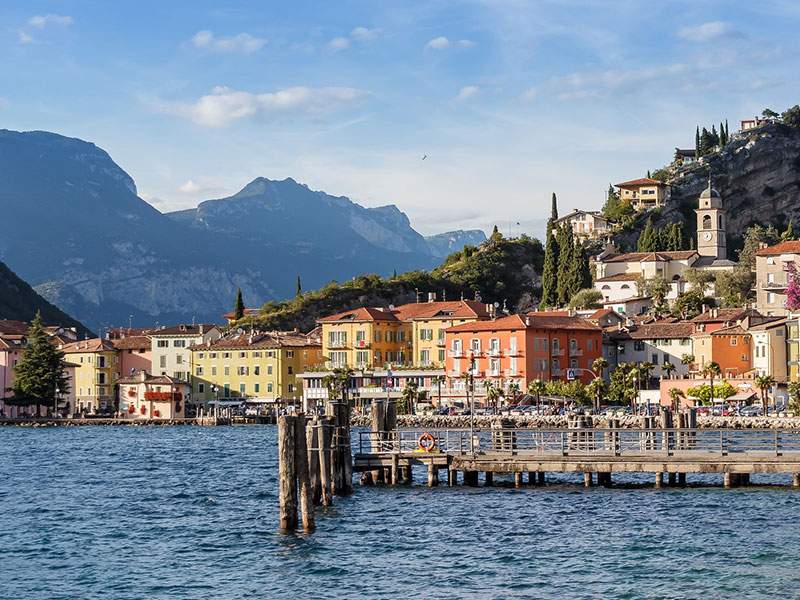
(549, 296)
(553, 208)
(655, 239)
(753, 238)
(497, 270)
(620, 211)
(566, 247)
(791, 116)
(709, 140)
(697, 142)
(648, 241)
(496, 235)
(788, 233)
(586, 298)
(768, 113)
(299, 290)
(40, 371)
(238, 309)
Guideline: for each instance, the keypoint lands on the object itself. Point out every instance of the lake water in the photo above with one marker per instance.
(187, 512)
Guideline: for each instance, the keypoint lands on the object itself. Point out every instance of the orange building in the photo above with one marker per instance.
(518, 349)
(729, 347)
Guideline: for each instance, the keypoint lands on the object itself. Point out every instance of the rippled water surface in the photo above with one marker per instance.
(185, 512)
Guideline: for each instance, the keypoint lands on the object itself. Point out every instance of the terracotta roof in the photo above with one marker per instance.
(457, 309)
(360, 314)
(10, 327)
(721, 315)
(259, 340)
(769, 323)
(649, 256)
(602, 312)
(91, 345)
(732, 330)
(639, 182)
(788, 247)
(619, 277)
(534, 321)
(183, 329)
(114, 333)
(661, 331)
(133, 342)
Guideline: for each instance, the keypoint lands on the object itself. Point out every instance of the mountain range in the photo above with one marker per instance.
(76, 229)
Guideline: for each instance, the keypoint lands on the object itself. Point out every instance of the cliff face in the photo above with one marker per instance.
(757, 175)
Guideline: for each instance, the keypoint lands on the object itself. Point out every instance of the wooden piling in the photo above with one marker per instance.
(433, 474)
(671, 477)
(395, 470)
(325, 439)
(587, 478)
(408, 477)
(727, 480)
(542, 477)
(682, 479)
(377, 433)
(470, 478)
(488, 478)
(305, 490)
(796, 480)
(312, 437)
(452, 476)
(659, 480)
(518, 479)
(287, 473)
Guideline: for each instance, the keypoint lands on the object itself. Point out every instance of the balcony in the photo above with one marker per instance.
(557, 352)
(575, 352)
(454, 374)
(511, 372)
(556, 372)
(456, 354)
(494, 352)
(513, 352)
(440, 343)
(493, 373)
(360, 344)
(337, 344)
(772, 286)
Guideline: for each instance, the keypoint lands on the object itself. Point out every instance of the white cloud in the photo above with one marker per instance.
(201, 185)
(706, 32)
(42, 21)
(339, 43)
(467, 92)
(442, 43)
(242, 42)
(224, 106)
(364, 34)
(24, 38)
(438, 43)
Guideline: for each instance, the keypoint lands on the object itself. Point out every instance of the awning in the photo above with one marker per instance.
(742, 397)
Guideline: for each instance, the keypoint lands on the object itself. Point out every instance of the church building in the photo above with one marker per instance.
(618, 274)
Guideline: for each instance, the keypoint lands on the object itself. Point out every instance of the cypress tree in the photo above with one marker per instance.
(697, 142)
(549, 269)
(648, 173)
(238, 309)
(579, 275)
(648, 240)
(299, 289)
(554, 208)
(566, 248)
(40, 371)
(727, 132)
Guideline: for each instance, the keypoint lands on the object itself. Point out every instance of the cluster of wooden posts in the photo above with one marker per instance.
(314, 463)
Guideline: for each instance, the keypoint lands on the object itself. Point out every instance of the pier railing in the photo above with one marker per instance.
(593, 442)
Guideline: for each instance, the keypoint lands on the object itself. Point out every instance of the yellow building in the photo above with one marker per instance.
(429, 321)
(259, 365)
(96, 371)
(644, 193)
(407, 335)
(364, 338)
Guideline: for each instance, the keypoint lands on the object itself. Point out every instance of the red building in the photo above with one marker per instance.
(521, 348)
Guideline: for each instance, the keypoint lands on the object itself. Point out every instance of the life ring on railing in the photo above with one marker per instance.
(426, 442)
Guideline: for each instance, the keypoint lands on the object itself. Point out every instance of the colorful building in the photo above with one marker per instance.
(145, 396)
(729, 347)
(170, 348)
(587, 224)
(518, 349)
(658, 343)
(774, 265)
(135, 353)
(365, 338)
(258, 365)
(644, 193)
(96, 371)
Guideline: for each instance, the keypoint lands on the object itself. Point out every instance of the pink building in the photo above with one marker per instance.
(146, 396)
(12, 347)
(134, 353)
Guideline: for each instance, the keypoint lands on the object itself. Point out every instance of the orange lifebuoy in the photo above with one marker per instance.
(426, 442)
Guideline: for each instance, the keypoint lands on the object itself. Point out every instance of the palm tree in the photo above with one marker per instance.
(439, 380)
(687, 360)
(537, 387)
(409, 395)
(645, 369)
(597, 388)
(668, 368)
(764, 384)
(513, 390)
(711, 370)
(676, 394)
(599, 365)
(493, 394)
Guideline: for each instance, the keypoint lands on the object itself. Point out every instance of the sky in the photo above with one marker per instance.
(508, 100)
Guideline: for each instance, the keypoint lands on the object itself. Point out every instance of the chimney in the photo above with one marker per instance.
(715, 312)
(202, 329)
(431, 296)
(527, 321)
(142, 375)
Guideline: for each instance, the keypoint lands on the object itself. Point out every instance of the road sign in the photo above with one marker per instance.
(572, 374)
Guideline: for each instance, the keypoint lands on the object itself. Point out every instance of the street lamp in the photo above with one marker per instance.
(471, 397)
(55, 402)
(572, 370)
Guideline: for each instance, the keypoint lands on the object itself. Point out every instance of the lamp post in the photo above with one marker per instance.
(595, 375)
(471, 397)
(55, 402)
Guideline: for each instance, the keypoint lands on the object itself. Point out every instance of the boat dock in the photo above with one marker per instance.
(669, 453)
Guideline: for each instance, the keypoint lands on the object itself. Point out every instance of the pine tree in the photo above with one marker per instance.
(554, 208)
(566, 248)
(549, 269)
(238, 310)
(299, 289)
(41, 370)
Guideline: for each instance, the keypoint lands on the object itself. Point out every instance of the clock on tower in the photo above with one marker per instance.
(711, 224)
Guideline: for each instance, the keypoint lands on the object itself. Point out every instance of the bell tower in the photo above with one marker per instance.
(711, 224)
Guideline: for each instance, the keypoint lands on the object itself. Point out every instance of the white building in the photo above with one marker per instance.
(170, 348)
(658, 343)
(587, 224)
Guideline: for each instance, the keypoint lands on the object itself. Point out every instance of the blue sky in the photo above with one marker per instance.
(510, 100)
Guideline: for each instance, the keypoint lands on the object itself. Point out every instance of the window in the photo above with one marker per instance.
(242, 388)
(256, 354)
(269, 388)
(494, 346)
(707, 222)
(573, 363)
(475, 345)
(213, 370)
(290, 388)
(494, 366)
(162, 344)
(734, 340)
(654, 359)
(257, 370)
(179, 359)
(179, 343)
(256, 388)
(198, 371)
(212, 355)
(101, 362)
(336, 339)
(162, 361)
(441, 356)
(200, 355)
(361, 335)
(242, 354)
(770, 277)
(377, 336)
(426, 335)
(226, 355)
(638, 346)
(290, 354)
(201, 388)
(770, 298)
(227, 371)
(290, 370)
(425, 358)
(269, 367)
(362, 357)
(241, 370)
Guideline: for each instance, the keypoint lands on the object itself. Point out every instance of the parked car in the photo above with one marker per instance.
(751, 411)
